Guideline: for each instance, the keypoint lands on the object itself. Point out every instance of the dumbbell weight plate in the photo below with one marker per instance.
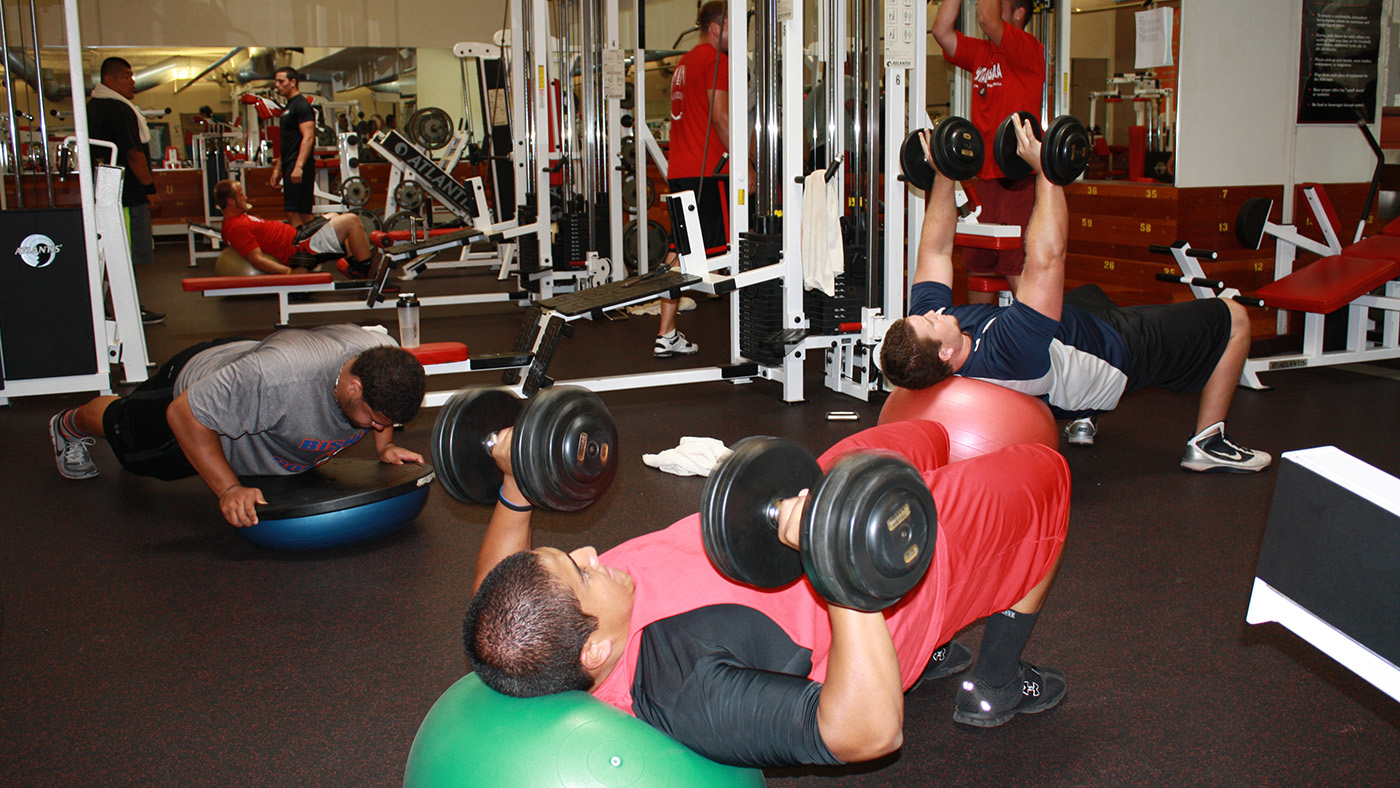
(409, 195)
(658, 241)
(736, 526)
(355, 192)
(918, 172)
(1010, 163)
(868, 531)
(1064, 152)
(403, 220)
(956, 148)
(564, 448)
(464, 465)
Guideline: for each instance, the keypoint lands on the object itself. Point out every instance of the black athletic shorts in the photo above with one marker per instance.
(298, 197)
(709, 204)
(1174, 346)
(136, 428)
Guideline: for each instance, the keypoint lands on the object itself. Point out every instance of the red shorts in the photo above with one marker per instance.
(1002, 519)
(1003, 202)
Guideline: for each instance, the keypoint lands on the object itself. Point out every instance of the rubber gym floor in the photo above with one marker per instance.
(145, 643)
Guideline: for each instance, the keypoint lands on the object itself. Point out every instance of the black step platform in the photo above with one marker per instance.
(341, 483)
(613, 294)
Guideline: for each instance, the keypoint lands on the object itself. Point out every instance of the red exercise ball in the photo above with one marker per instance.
(980, 417)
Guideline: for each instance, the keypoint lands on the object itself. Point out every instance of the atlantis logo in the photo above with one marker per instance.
(38, 251)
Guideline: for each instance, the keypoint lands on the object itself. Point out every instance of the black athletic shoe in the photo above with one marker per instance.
(953, 657)
(150, 318)
(1037, 690)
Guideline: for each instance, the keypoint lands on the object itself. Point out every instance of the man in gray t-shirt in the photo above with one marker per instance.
(229, 408)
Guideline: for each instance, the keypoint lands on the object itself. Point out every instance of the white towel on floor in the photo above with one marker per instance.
(822, 253)
(693, 457)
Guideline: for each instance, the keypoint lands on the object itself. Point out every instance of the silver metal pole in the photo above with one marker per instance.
(43, 114)
(10, 121)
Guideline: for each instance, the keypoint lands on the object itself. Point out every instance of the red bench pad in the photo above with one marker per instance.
(201, 283)
(1328, 284)
(439, 353)
(1377, 247)
(1393, 228)
(988, 241)
(987, 284)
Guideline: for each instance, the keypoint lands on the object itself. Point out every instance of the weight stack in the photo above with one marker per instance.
(825, 312)
(571, 242)
(602, 227)
(760, 305)
(528, 250)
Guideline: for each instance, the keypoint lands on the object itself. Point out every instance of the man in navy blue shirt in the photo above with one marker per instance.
(1078, 352)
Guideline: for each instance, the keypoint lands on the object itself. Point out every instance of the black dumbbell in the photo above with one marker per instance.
(868, 526)
(1064, 149)
(956, 149)
(563, 447)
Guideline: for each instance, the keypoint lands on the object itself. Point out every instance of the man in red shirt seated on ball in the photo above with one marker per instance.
(279, 248)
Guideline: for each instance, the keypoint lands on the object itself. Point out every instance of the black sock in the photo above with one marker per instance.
(999, 660)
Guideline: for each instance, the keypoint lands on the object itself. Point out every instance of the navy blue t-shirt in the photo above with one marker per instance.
(1078, 365)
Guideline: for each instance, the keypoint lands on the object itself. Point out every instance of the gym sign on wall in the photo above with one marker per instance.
(38, 251)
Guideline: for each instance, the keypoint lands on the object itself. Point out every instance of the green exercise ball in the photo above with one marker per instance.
(231, 263)
(475, 736)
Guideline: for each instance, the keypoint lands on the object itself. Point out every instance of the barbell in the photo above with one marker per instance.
(563, 445)
(867, 531)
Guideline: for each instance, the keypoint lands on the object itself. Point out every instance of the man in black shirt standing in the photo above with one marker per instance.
(112, 117)
(295, 172)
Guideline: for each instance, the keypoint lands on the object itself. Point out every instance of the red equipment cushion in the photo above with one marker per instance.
(201, 283)
(987, 241)
(987, 284)
(1328, 284)
(439, 353)
(1377, 247)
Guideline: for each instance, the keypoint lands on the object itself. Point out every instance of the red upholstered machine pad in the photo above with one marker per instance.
(987, 284)
(1328, 284)
(439, 353)
(198, 284)
(999, 243)
(1393, 228)
(1377, 247)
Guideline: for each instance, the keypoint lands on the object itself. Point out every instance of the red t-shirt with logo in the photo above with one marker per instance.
(246, 233)
(690, 113)
(1005, 79)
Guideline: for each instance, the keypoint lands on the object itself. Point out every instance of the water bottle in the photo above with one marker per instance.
(408, 320)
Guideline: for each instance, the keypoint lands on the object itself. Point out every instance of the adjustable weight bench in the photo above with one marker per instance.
(450, 358)
(1323, 287)
(283, 286)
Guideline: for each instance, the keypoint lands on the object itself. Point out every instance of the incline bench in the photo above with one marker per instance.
(1325, 286)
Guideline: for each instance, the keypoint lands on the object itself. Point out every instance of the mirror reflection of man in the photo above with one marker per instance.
(294, 168)
(699, 141)
(114, 118)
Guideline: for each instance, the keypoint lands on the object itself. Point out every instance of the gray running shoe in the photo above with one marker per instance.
(1036, 690)
(1211, 450)
(1081, 432)
(673, 345)
(72, 454)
